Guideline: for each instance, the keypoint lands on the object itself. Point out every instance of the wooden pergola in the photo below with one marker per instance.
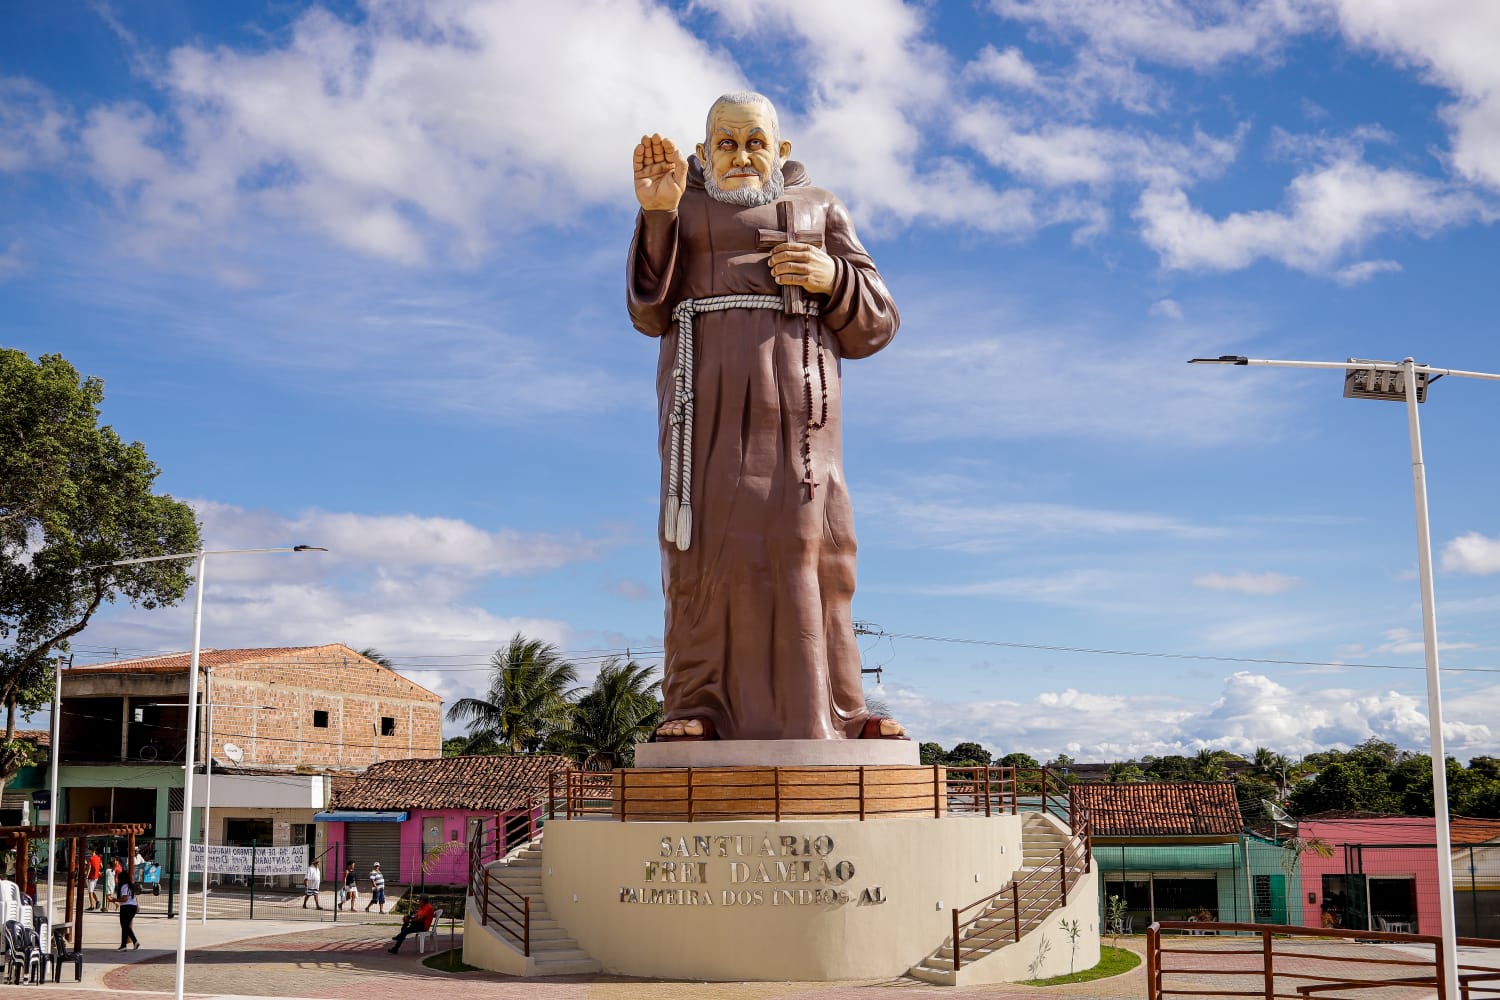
(75, 837)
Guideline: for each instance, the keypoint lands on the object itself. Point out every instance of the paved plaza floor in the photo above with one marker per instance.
(302, 957)
(298, 957)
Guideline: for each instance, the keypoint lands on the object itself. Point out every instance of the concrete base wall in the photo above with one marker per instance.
(759, 900)
(484, 948)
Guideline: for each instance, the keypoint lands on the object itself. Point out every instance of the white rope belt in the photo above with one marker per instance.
(677, 513)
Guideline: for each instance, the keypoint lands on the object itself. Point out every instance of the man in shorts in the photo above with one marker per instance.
(310, 883)
(91, 879)
(377, 888)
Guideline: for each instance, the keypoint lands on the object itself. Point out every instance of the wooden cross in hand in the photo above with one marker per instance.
(786, 218)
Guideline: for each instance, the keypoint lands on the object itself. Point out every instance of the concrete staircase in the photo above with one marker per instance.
(1041, 839)
(553, 953)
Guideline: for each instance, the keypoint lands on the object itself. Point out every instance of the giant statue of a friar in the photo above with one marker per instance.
(758, 288)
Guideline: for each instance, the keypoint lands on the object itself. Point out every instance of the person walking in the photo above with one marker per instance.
(377, 888)
(91, 878)
(350, 893)
(111, 877)
(310, 883)
(125, 893)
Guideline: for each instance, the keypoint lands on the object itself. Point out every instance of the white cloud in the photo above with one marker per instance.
(1363, 271)
(405, 584)
(1453, 42)
(1472, 553)
(1330, 211)
(31, 126)
(417, 128)
(875, 75)
(397, 544)
(1008, 67)
(1166, 309)
(1248, 583)
(12, 262)
(1251, 710)
(980, 527)
(1053, 153)
(1056, 378)
(1192, 33)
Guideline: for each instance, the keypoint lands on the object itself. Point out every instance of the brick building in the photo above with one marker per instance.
(280, 722)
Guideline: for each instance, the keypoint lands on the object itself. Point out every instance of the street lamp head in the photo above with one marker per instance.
(308, 548)
(1223, 359)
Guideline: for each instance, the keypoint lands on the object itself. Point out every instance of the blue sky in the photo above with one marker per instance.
(354, 273)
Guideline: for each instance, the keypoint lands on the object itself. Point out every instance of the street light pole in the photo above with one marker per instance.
(1408, 381)
(192, 722)
(208, 785)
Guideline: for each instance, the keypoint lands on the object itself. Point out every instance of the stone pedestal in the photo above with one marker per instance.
(777, 753)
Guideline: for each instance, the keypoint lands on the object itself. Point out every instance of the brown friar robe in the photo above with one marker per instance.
(759, 638)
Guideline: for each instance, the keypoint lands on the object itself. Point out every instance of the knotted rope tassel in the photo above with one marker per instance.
(677, 507)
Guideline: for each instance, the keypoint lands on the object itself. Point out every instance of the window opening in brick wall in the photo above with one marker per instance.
(387, 726)
(320, 719)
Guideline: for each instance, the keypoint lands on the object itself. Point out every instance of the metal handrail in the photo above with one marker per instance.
(1429, 970)
(1035, 894)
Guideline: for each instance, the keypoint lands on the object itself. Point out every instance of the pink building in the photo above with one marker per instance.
(416, 817)
(1382, 874)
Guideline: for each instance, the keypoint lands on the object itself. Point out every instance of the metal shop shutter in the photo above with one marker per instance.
(367, 843)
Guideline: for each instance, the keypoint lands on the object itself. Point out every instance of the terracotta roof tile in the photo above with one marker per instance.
(1463, 830)
(177, 663)
(481, 782)
(1161, 808)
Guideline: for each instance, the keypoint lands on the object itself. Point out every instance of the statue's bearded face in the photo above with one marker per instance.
(742, 165)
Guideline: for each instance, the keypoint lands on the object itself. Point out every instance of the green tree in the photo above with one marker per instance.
(529, 698)
(969, 755)
(1124, 772)
(73, 498)
(622, 708)
(1019, 760)
(1173, 767)
(932, 753)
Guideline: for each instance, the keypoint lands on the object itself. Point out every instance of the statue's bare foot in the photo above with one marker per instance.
(685, 729)
(877, 728)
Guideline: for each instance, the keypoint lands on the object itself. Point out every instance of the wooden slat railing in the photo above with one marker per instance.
(823, 792)
(1283, 968)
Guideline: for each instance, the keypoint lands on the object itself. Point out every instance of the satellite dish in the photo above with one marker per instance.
(1280, 815)
(234, 753)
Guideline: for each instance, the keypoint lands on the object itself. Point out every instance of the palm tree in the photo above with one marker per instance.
(376, 656)
(623, 708)
(528, 700)
(1209, 764)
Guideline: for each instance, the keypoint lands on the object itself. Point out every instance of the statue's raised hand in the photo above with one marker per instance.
(660, 174)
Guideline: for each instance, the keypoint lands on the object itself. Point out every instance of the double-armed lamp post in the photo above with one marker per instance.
(1407, 381)
(192, 720)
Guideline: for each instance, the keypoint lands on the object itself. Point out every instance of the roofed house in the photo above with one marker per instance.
(276, 722)
(20, 804)
(1382, 874)
(1170, 849)
(410, 813)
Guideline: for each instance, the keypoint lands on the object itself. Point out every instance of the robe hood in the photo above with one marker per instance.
(793, 173)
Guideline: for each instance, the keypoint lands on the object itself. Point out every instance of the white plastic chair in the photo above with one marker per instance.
(431, 930)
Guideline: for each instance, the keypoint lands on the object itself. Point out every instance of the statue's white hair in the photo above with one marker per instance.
(741, 98)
